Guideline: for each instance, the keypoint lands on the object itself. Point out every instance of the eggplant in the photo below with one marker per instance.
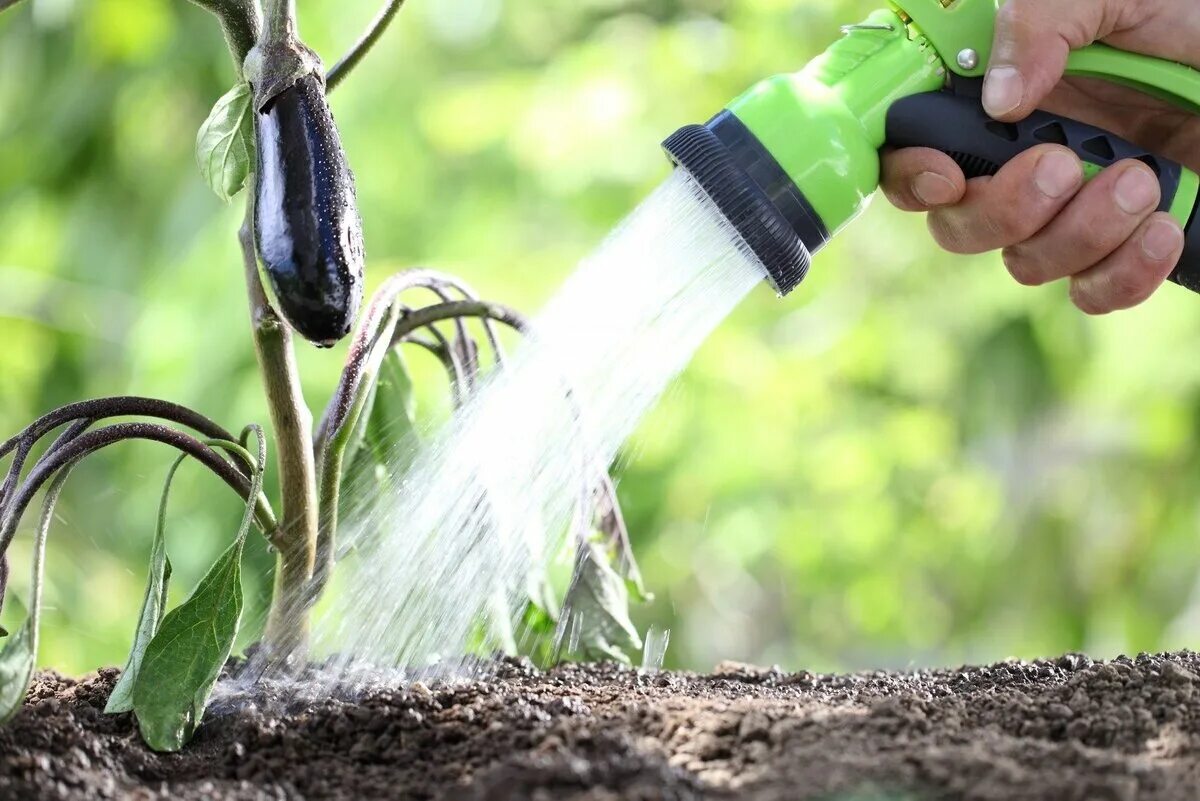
(308, 232)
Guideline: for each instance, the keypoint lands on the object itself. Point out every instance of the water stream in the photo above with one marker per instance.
(492, 495)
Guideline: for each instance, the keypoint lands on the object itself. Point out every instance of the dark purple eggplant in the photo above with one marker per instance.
(305, 215)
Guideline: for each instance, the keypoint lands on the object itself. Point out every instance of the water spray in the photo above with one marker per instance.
(796, 158)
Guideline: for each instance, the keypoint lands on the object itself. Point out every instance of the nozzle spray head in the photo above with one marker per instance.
(796, 157)
(756, 196)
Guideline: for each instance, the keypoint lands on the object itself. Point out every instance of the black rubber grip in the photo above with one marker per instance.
(958, 126)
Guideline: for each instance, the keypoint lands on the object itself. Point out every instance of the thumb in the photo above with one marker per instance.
(1033, 40)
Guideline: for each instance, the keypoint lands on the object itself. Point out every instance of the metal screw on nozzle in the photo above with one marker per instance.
(968, 59)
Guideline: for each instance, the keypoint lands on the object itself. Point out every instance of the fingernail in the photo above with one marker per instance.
(1162, 240)
(1136, 190)
(1057, 173)
(1003, 90)
(933, 189)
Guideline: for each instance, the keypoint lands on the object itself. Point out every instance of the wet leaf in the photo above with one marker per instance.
(225, 143)
(385, 442)
(597, 611)
(391, 428)
(16, 668)
(184, 660)
(185, 657)
(610, 524)
(154, 605)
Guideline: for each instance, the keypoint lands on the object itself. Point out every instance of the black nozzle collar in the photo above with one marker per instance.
(754, 193)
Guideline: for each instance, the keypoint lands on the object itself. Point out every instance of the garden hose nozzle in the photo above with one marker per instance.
(794, 159)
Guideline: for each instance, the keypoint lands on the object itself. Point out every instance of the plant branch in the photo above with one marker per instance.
(422, 318)
(39, 553)
(84, 414)
(73, 431)
(376, 335)
(363, 365)
(363, 46)
(241, 22)
(287, 630)
(350, 385)
(456, 369)
(121, 406)
(92, 441)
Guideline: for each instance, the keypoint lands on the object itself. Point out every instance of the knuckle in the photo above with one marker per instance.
(946, 231)
(1021, 266)
(1008, 224)
(1084, 300)
(1130, 285)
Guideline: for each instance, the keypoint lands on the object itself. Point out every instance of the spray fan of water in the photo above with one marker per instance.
(491, 497)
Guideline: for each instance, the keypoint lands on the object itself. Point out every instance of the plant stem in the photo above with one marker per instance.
(279, 21)
(241, 22)
(370, 345)
(39, 553)
(363, 46)
(286, 635)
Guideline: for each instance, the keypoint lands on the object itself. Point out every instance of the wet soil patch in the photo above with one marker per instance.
(1061, 730)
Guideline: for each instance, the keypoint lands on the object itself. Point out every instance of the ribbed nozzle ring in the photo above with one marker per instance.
(766, 230)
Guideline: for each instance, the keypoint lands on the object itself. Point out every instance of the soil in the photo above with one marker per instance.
(1068, 730)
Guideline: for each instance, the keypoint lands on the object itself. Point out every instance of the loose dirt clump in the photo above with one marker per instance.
(1064, 730)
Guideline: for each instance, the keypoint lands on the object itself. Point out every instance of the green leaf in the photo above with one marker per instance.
(391, 429)
(597, 610)
(184, 659)
(16, 668)
(225, 144)
(385, 440)
(154, 605)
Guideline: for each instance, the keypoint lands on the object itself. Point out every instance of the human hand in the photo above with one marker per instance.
(1105, 237)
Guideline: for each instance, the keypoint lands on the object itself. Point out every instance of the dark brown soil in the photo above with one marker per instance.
(1066, 730)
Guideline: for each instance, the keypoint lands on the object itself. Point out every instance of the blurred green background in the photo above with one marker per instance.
(912, 460)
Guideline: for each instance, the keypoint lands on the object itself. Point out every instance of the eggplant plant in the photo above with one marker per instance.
(273, 135)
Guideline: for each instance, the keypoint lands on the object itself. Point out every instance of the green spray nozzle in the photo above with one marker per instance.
(795, 158)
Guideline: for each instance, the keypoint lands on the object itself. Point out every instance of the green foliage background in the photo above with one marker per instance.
(913, 460)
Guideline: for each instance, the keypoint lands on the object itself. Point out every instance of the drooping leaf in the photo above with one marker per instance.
(225, 143)
(184, 659)
(391, 428)
(16, 668)
(19, 656)
(154, 605)
(610, 524)
(385, 441)
(596, 611)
